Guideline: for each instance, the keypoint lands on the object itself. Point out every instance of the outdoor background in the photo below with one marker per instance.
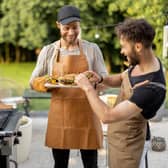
(27, 25)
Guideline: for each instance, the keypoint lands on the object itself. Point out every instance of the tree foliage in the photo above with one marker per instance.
(29, 24)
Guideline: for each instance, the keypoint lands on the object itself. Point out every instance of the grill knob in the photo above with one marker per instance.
(16, 141)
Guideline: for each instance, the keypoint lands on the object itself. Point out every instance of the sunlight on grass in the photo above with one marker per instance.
(19, 72)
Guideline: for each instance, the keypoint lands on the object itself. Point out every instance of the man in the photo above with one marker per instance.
(71, 123)
(142, 93)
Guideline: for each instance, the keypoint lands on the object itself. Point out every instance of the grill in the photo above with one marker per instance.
(4, 118)
(9, 121)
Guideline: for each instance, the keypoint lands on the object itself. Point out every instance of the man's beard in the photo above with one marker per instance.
(134, 62)
(70, 41)
(133, 59)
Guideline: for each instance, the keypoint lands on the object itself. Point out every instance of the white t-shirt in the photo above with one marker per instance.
(91, 50)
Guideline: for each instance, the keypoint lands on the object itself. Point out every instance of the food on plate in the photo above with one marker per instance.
(52, 79)
(68, 79)
(89, 75)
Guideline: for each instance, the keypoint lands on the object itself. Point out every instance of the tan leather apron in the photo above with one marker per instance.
(71, 122)
(126, 138)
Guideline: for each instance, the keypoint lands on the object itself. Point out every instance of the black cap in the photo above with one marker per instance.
(68, 14)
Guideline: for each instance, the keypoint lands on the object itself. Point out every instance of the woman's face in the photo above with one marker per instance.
(69, 32)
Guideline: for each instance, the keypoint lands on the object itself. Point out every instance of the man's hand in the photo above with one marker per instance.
(38, 84)
(83, 82)
(92, 76)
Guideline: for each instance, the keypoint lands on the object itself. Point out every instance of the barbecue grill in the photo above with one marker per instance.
(9, 123)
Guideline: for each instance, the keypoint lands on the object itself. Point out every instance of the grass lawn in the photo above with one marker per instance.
(19, 73)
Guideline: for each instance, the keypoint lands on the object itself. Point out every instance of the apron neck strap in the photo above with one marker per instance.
(57, 51)
(58, 46)
(80, 47)
(79, 42)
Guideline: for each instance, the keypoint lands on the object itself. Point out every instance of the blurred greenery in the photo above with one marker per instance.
(28, 25)
(39, 104)
(18, 72)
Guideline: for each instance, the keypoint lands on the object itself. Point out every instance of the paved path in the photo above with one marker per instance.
(40, 156)
(159, 159)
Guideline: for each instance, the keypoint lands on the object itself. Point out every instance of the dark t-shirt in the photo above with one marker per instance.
(148, 97)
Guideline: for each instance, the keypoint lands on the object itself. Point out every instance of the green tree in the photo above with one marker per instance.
(153, 11)
(29, 24)
(25, 24)
(111, 12)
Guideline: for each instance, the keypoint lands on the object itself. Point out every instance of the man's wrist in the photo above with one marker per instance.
(88, 89)
(101, 79)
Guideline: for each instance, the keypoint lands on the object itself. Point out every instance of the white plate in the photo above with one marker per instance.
(49, 85)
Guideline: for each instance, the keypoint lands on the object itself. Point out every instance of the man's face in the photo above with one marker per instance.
(129, 51)
(69, 32)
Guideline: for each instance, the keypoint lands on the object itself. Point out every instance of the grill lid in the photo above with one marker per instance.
(4, 118)
(9, 119)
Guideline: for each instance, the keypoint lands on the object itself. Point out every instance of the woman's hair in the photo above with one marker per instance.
(136, 30)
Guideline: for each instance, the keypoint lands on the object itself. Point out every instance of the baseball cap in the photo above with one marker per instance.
(68, 14)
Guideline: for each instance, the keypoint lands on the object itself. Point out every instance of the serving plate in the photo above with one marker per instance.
(49, 85)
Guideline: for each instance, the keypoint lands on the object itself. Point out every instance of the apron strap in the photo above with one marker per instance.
(158, 84)
(80, 47)
(57, 51)
(58, 46)
(54, 56)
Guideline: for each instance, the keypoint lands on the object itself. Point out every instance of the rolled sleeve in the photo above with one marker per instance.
(99, 64)
(41, 65)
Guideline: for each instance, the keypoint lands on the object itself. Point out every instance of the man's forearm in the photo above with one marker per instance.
(98, 106)
(113, 80)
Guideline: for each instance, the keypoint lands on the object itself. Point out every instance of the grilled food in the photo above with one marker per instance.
(89, 75)
(52, 80)
(68, 79)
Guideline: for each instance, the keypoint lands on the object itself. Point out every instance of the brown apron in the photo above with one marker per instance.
(126, 138)
(71, 122)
